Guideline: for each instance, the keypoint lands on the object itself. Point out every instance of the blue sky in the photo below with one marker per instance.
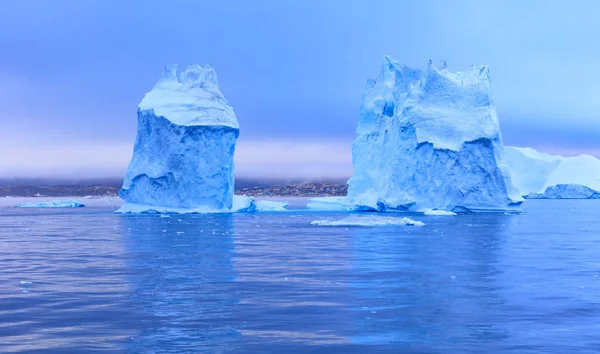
(72, 73)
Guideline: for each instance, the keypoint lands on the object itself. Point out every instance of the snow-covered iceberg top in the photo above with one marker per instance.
(53, 204)
(540, 175)
(192, 98)
(429, 139)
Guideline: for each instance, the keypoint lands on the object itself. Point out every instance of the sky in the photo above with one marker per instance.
(72, 73)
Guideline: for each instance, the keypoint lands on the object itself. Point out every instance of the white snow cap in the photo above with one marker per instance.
(192, 98)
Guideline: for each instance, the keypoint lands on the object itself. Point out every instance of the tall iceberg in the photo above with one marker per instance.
(429, 139)
(545, 176)
(183, 154)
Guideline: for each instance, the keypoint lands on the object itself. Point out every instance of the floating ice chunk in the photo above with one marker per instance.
(368, 220)
(53, 204)
(271, 205)
(438, 212)
(329, 204)
(243, 204)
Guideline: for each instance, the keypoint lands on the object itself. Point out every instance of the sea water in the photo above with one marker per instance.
(88, 280)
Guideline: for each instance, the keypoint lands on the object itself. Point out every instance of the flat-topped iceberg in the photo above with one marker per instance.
(367, 220)
(566, 191)
(53, 204)
(543, 176)
(183, 153)
(429, 139)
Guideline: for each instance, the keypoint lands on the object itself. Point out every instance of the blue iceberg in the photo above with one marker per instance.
(429, 139)
(183, 154)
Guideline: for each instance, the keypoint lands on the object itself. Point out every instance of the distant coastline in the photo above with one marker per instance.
(110, 188)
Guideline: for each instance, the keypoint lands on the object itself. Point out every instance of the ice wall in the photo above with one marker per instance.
(553, 176)
(429, 139)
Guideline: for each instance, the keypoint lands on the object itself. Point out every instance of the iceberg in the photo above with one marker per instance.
(246, 204)
(566, 191)
(271, 205)
(329, 204)
(429, 139)
(243, 204)
(183, 153)
(370, 220)
(437, 212)
(543, 176)
(53, 204)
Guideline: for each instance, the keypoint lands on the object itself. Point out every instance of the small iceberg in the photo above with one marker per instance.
(438, 212)
(243, 204)
(370, 220)
(271, 205)
(329, 204)
(246, 204)
(53, 204)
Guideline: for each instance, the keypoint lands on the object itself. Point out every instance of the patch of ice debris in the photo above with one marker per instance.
(368, 220)
(53, 204)
(438, 212)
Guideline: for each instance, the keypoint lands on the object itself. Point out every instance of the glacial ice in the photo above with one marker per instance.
(183, 153)
(367, 220)
(437, 212)
(329, 204)
(246, 204)
(271, 205)
(566, 191)
(136, 208)
(53, 204)
(240, 204)
(429, 139)
(543, 176)
(243, 204)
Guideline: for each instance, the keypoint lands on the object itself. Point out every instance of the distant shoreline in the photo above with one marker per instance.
(258, 189)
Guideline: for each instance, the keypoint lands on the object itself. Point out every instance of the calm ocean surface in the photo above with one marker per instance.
(87, 280)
